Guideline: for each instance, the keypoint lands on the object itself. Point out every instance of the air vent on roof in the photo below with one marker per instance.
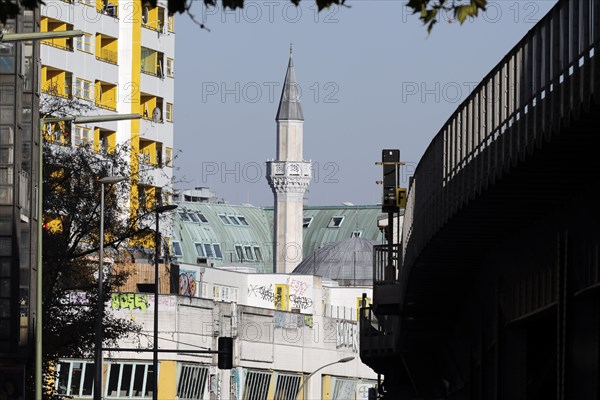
(202, 260)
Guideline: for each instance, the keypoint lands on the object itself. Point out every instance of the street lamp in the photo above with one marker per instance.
(98, 348)
(22, 37)
(39, 281)
(340, 361)
(158, 210)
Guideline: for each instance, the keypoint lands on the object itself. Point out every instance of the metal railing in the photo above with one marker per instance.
(108, 56)
(62, 44)
(383, 271)
(549, 76)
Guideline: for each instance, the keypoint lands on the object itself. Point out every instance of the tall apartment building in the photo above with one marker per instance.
(18, 194)
(123, 64)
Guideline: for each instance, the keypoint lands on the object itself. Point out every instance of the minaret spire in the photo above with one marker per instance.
(288, 176)
(289, 103)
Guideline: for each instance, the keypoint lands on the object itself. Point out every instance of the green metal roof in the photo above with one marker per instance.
(189, 230)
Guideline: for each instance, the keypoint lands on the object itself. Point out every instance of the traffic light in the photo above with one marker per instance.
(390, 159)
(225, 356)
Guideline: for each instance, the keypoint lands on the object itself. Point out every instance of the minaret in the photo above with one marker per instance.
(288, 176)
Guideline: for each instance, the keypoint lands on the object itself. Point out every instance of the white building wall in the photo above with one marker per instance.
(265, 339)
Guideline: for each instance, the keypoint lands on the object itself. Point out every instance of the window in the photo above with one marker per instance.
(240, 252)
(169, 157)
(306, 222)
(209, 250)
(243, 220)
(287, 386)
(356, 234)
(126, 380)
(170, 67)
(184, 216)
(192, 381)
(177, 249)
(217, 248)
(257, 385)
(84, 89)
(335, 222)
(193, 217)
(75, 378)
(224, 219)
(249, 255)
(84, 43)
(234, 220)
(257, 253)
(202, 218)
(171, 23)
(169, 112)
(199, 249)
(82, 136)
(342, 386)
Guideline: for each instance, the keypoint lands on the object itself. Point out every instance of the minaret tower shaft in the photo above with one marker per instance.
(288, 176)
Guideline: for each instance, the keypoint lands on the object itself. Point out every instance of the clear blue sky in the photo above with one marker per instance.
(371, 78)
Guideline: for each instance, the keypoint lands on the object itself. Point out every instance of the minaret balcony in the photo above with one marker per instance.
(289, 169)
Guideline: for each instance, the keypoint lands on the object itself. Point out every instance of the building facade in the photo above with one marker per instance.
(241, 235)
(123, 64)
(284, 328)
(18, 194)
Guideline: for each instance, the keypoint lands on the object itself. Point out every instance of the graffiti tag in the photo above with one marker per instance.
(129, 300)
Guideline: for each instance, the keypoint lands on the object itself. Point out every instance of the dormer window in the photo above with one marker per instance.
(184, 217)
(335, 222)
(306, 222)
(199, 249)
(177, 249)
(202, 218)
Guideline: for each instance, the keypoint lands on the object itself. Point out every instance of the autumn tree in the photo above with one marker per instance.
(71, 204)
(427, 10)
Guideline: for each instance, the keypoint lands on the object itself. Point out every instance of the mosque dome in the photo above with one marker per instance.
(348, 262)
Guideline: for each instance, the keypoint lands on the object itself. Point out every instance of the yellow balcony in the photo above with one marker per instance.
(53, 25)
(106, 95)
(151, 107)
(108, 7)
(152, 62)
(107, 48)
(153, 18)
(56, 82)
(105, 141)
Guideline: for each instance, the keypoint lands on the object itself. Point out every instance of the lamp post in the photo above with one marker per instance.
(98, 339)
(39, 281)
(158, 210)
(340, 361)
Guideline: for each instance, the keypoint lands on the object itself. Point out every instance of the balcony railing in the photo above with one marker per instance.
(379, 336)
(67, 46)
(110, 9)
(53, 92)
(385, 269)
(108, 56)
